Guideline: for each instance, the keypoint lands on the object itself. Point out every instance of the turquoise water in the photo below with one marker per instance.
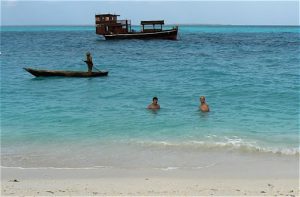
(249, 75)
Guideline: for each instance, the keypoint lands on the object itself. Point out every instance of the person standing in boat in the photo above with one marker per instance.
(89, 62)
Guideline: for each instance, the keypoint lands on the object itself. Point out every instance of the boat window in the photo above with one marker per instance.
(107, 18)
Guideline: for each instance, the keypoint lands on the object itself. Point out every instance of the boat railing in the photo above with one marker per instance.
(124, 22)
(151, 30)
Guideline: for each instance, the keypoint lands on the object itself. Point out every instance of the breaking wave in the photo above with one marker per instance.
(228, 145)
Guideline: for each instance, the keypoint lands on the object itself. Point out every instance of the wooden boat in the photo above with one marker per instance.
(108, 26)
(62, 73)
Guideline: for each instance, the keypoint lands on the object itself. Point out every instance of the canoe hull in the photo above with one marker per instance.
(61, 73)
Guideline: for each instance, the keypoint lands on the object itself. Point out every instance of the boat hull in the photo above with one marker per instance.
(61, 73)
(166, 34)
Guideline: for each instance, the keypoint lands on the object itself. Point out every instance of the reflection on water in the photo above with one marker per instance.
(153, 111)
(203, 114)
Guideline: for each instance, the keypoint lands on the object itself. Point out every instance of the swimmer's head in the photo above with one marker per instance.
(155, 99)
(202, 99)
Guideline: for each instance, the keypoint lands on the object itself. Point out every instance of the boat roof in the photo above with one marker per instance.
(107, 15)
(159, 22)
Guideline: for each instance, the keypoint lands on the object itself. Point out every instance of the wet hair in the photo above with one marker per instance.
(154, 98)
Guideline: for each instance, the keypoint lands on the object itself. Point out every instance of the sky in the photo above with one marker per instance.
(242, 12)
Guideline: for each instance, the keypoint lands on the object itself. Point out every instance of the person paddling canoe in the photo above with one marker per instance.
(89, 62)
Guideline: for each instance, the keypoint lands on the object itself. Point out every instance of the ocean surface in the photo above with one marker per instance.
(249, 75)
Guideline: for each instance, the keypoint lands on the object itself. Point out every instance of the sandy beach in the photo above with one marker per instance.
(264, 176)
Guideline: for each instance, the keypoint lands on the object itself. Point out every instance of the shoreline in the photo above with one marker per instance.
(242, 175)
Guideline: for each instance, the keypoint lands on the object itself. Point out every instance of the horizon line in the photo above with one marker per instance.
(184, 24)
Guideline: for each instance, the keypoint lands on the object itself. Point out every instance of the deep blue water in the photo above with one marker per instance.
(249, 75)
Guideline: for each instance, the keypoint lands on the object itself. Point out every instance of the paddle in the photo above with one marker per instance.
(93, 66)
(97, 68)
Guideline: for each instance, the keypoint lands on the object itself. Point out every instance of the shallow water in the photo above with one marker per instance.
(249, 75)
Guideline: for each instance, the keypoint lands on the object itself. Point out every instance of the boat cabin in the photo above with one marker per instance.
(109, 24)
(150, 26)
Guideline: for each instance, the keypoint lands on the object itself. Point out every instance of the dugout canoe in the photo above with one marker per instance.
(63, 73)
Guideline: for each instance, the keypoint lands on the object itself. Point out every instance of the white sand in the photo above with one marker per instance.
(151, 186)
(272, 176)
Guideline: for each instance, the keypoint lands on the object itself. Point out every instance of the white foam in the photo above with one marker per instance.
(227, 143)
(56, 168)
(169, 168)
